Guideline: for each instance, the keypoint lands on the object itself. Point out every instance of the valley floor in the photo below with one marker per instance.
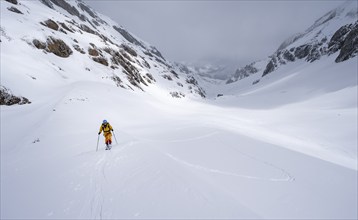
(175, 158)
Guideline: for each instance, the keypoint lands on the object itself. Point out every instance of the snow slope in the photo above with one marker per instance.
(282, 148)
(130, 62)
(174, 159)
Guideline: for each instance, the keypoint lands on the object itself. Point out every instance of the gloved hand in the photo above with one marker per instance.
(112, 129)
(99, 133)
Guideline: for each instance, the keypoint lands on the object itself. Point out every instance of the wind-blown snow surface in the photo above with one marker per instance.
(285, 147)
(289, 157)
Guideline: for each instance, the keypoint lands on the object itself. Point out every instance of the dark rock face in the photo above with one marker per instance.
(200, 91)
(118, 81)
(133, 75)
(128, 36)
(12, 1)
(48, 3)
(269, 68)
(288, 56)
(129, 50)
(243, 72)
(150, 76)
(7, 98)
(38, 44)
(302, 51)
(145, 63)
(177, 94)
(64, 26)
(79, 49)
(55, 46)
(87, 9)
(93, 52)
(87, 29)
(337, 39)
(148, 53)
(154, 50)
(70, 9)
(314, 54)
(50, 24)
(100, 60)
(255, 82)
(193, 81)
(350, 45)
(58, 47)
(167, 77)
(96, 20)
(162, 62)
(175, 74)
(13, 9)
(344, 40)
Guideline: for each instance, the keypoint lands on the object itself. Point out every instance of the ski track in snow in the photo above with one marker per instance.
(288, 178)
(175, 140)
(98, 180)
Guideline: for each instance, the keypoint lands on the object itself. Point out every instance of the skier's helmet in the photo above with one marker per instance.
(104, 121)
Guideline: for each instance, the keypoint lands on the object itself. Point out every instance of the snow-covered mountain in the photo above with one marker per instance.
(334, 34)
(282, 146)
(68, 41)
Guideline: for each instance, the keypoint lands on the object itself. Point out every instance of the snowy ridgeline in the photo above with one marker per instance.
(285, 147)
(334, 34)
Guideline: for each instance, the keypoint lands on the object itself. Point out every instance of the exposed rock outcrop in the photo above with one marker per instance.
(87, 29)
(7, 98)
(67, 7)
(100, 60)
(243, 72)
(51, 24)
(87, 9)
(58, 47)
(177, 94)
(12, 1)
(55, 46)
(38, 44)
(350, 45)
(191, 80)
(14, 9)
(128, 36)
(344, 40)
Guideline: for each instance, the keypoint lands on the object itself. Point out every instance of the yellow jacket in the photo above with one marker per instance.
(106, 128)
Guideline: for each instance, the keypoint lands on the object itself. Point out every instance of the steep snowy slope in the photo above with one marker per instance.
(71, 42)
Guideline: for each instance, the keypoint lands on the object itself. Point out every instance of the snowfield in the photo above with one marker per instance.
(281, 148)
(179, 158)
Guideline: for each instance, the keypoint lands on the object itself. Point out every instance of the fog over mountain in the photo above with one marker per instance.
(241, 30)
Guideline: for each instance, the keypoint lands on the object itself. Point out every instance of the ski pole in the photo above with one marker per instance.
(97, 143)
(115, 137)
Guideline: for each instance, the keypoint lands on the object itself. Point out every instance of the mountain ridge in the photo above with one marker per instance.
(336, 31)
(73, 31)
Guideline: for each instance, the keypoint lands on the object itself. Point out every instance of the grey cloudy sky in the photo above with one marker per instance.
(193, 30)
